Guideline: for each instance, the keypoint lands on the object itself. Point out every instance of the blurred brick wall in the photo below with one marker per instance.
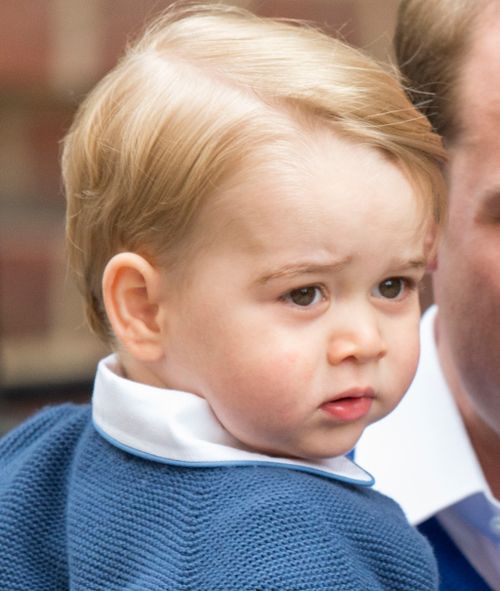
(51, 53)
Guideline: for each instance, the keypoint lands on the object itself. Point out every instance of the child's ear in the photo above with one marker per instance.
(131, 293)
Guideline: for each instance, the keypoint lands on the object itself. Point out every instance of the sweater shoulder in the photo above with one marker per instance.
(337, 536)
(299, 492)
(36, 460)
(44, 431)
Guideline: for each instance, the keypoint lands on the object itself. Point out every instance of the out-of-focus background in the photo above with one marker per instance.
(51, 53)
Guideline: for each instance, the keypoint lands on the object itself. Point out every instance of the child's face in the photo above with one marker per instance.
(298, 318)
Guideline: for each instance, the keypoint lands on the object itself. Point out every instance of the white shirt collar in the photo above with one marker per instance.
(180, 428)
(421, 454)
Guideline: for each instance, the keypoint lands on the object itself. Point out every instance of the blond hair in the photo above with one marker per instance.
(432, 37)
(189, 102)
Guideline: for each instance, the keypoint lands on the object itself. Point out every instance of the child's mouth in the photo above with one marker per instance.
(351, 405)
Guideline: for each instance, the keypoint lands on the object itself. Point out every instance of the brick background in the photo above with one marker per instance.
(25, 35)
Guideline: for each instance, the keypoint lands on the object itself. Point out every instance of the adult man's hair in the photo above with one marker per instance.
(432, 37)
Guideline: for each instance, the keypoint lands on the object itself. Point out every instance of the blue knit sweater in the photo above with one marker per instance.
(78, 513)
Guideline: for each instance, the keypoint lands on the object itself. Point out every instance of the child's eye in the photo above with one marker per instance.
(304, 296)
(392, 288)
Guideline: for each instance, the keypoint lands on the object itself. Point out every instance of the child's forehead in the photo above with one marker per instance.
(303, 180)
(295, 163)
(295, 216)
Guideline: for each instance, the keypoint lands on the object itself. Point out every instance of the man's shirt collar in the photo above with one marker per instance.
(421, 454)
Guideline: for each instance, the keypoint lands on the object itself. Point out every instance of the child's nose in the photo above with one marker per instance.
(359, 339)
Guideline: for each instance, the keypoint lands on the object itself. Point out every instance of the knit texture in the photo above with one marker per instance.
(456, 573)
(76, 512)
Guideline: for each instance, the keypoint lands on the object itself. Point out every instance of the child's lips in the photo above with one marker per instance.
(350, 405)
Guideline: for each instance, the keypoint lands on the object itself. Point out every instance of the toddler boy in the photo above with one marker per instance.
(251, 207)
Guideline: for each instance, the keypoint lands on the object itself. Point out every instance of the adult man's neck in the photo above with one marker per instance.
(485, 440)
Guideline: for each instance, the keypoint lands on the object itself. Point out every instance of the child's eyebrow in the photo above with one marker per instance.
(419, 263)
(303, 269)
(312, 268)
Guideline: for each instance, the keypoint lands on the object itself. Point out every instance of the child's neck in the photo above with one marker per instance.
(138, 371)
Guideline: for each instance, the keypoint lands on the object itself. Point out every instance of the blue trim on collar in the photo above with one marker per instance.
(234, 463)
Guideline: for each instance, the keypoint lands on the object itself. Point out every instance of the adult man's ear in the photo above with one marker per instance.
(131, 293)
(432, 264)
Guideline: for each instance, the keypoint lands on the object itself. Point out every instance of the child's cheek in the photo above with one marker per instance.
(288, 375)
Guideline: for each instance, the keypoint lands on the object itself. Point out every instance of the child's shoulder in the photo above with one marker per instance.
(54, 428)
(307, 491)
(36, 460)
(314, 533)
(309, 502)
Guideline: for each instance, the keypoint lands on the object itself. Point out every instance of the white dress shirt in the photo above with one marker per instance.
(422, 457)
(180, 428)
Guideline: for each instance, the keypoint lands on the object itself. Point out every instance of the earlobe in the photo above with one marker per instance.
(432, 264)
(431, 247)
(131, 292)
